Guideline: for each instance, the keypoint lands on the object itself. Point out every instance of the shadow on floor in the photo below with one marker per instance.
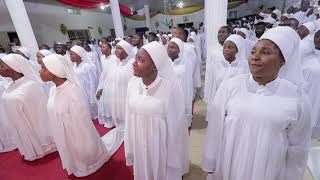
(195, 173)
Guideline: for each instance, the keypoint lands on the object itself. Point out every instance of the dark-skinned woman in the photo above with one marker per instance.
(40, 55)
(182, 71)
(259, 123)
(156, 135)
(87, 74)
(80, 147)
(231, 64)
(24, 102)
(115, 91)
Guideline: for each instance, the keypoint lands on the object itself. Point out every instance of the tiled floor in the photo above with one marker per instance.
(196, 143)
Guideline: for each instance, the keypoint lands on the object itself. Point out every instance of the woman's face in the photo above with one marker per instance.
(39, 57)
(121, 53)
(105, 49)
(5, 70)
(229, 50)
(45, 74)
(74, 57)
(164, 40)
(173, 50)
(143, 65)
(317, 40)
(265, 60)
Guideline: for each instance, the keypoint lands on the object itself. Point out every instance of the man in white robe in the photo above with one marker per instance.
(24, 102)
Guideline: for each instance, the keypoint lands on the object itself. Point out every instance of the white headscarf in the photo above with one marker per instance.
(193, 36)
(179, 43)
(126, 47)
(246, 32)
(82, 53)
(286, 15)
(45, 52)
(240, 43)
(58, 65)
(21, 65)
(288, 42)
(160, 59)
(278, 13)
(310, 26)
(269, 20)
(166, 37)
(25, 51)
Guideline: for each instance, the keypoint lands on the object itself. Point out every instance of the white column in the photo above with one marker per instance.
(22, 24)
(147, 14)
(216, 12)
(115, 10)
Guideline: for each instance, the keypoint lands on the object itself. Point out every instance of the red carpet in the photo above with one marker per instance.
(13, 167)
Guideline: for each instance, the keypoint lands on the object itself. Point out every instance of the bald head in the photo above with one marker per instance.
(292, 22)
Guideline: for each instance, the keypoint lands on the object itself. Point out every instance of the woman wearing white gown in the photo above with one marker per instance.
(259, 123)
(182, 72)
(156, 136)
(40, 55)
(87, 75)
(79, 145)
(232, 63)
(7, 131)
(24, 102)
(114, 94)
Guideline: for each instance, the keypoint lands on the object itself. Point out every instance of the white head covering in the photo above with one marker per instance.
(25, 51)
(286, 15)
(288, 42)
(170, 35)
(193, 36)
(45, 52)
(245, 31)
(126, 47)
(21, 65)
(180, 44)
(269, 20)
(82, 53)
(58, 65)
(167, 37)
(277, 12)
(240, 43)
(160, 59)
(310, 26)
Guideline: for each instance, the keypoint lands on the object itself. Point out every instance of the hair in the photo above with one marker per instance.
(153, 34)
(227, 28)
(108, 44)
(2, 50)
(139, 34)
(293, 19)
(260, 24)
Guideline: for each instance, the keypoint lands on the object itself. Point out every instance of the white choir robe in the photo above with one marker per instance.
(257, 132)
(189, 54)
(7, 131)
(220, 70)
(156, 135)
(185, 79)
(135, 50)
(311, 74)
(80, 147)
(196, 47)
(114, 95)
(87, 75)
(104, 116)
(95, 60)
(24, 102)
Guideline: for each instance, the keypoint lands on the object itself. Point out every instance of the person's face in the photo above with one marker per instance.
(121, 53)
(229, 50)
(223, 34)
(74, 57)
(45, 74)
(39, 57)
(290, 10)
(151, 38)
(265, 59)
(16, 41)
(5, 70)
(291, 24)
(305, 4)
(173, 50)
(241, 34)
(260, 30)
(273, 15)
(163, 40)
(303, 31)
(283, 18)
(129, 40)
(190, 40)
(317, 40)
(143, 65)
(177, 33)
(60, 49)
(105, 49)
(68, 45)
(135, 40)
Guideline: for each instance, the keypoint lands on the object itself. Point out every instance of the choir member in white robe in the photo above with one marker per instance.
(107, 61)
(26, 53)
(311, 73)
(259, 123)
(40, 55)
(79, 145)
(137, 42)
(193, 40)
(24, 103)
(156, 136)
(94, 59)
(114, 94)
(243, 32)
(165, 40)
(86, 73)
(181, 70)
(306, 32)
(231, 64)
(7, 131)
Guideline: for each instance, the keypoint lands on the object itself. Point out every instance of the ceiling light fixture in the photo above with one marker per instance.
(180, 5)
